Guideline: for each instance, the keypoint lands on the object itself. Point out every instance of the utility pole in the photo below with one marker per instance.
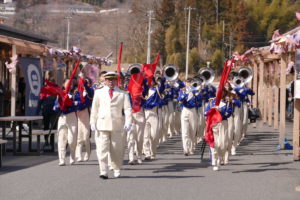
(199, 33)
(217, 12)
(150, 12)
(230, 45)
(223, 35)
(68, 17)
(188, 43)
(117, 41)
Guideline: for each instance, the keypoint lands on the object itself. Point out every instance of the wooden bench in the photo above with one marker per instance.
(38, 133)
(1, 142)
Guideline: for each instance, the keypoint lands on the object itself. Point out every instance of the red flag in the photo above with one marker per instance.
(225, 74)
(52, 89)
(135, 89)
(81, 88)
(135, 84)
(149, 69)
(213, 117)
(119, 64)
(68, 87)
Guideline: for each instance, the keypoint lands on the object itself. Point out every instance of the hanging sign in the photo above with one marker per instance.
(33, 79)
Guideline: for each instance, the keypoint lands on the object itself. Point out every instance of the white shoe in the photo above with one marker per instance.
(61, 163)
(131, 162)
(139, 161)
(86, 157)
(117, 174)
(213, 162)
(152, 157)
(216, 168)
(79, 159)
(72, 161)
(233, 152)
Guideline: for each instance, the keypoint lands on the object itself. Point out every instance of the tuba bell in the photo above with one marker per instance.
(237, 82)
(134, 69)
(196, 83)
(170, 72)
(246, 74)
(208, 74)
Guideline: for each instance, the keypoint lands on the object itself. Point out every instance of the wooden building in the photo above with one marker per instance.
(271, 78)
(21, 43)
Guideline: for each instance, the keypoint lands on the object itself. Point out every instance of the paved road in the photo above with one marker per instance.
(257, 172)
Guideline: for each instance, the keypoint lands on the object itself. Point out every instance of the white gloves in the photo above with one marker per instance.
(93, 127)
(127, 127)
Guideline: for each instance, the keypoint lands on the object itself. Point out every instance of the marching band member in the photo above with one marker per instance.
(188, 100)
(106, 115)
(161, 109)
(84, 97)
(135, 136)
(243, 93)
(165, 111)
(67, 129)
(234, 122)
(178, 86)
(200, 111)
(169, 95)
(220, 131)
(151, 132)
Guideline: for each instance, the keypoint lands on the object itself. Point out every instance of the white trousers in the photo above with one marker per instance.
(83, 137)
(160, 121)
(245, 120)
(201, 122)
(136, 135)
(165, 122)
(67, 133)
(98, 145)
(220, 132)
(171, 128)
(237, 120)
(151, 133)
(189, 120)
(229, 138)
(177, 121)
(110, 143)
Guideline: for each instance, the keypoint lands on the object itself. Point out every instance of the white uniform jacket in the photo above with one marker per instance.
(106, 113)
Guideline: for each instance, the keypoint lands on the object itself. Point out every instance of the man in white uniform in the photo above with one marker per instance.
(106, 121)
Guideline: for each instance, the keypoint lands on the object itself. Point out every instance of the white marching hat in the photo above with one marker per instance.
(111, 75)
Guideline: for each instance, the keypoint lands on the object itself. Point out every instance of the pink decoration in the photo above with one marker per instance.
(12, 66)
(298, 16)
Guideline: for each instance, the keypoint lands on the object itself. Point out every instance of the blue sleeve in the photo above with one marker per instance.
(182, 96)
(56, 106)
(237, 102)
(228, 111)
(145, 87)
(250, 92)
(89, 90)
(207, 109)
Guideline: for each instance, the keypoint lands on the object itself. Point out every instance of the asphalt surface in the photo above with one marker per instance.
(258, 171)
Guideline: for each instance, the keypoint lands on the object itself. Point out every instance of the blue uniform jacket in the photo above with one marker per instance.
(185, 102)
(243, 93)
(226, 110)
(151, 101)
